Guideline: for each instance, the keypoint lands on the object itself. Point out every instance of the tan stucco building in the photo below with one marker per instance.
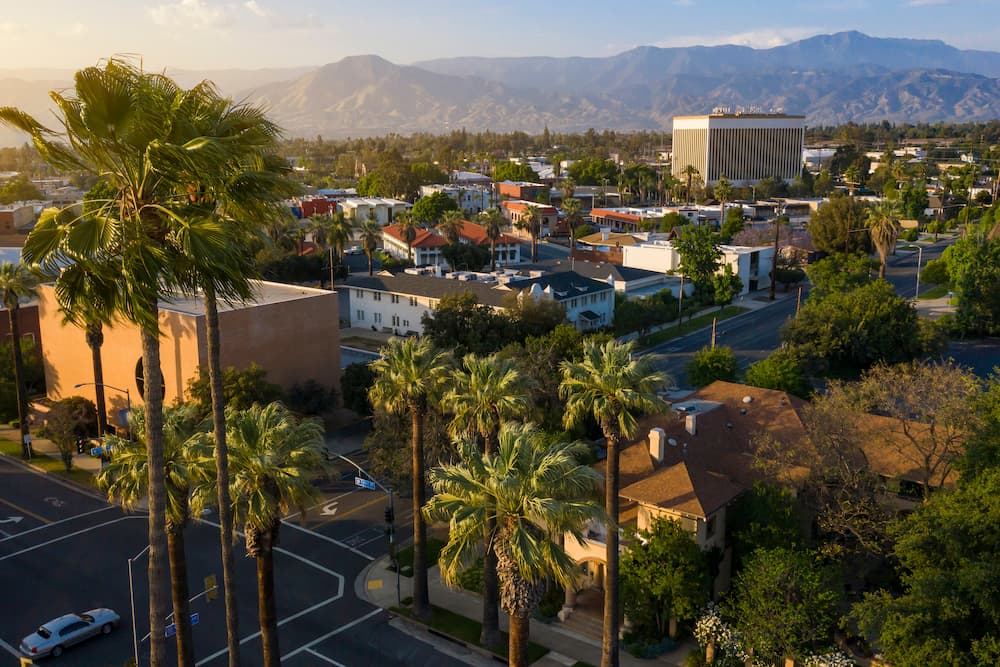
(292, 332)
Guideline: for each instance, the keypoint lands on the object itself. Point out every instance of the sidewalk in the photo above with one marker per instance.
(86, 462)
(378, 585)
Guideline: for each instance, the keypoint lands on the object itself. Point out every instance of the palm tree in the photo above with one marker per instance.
(689, 171)
(614, 386)
(135, 130)
(493, 221)
(187, 454)
(573, 220)
(723, 191)
(273, 459)
(852, 177)
(408, 229)
(370, 235)
(339, 233)
(531, 221)
(533, 492)
(410, 374)
(884, 230)
(568, 188)
(487, 392)
(451, 226)
(17, 281)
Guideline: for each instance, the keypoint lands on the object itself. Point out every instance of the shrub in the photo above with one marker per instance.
(909, 235)
(709, 365)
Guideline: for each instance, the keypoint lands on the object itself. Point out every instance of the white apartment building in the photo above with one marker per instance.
(396, 303)
(742, 147)
(751, 264)
(357, 208)
(471, 199)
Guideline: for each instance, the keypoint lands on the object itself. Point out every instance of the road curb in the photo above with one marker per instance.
(66, 483)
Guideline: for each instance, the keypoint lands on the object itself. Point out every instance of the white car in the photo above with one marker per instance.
(354, 250)
(54, 637)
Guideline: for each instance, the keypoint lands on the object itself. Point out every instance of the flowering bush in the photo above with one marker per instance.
(833, 659)
(711, 628)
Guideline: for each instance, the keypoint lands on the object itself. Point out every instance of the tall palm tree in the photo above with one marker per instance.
(410, 374)
(533, 492)
(408, 228)
(485, 393)
(493, 221)
(370, 235)
(17, 281)
(339, 232)
(723, 192)
(689, 171)
(568, 188)
(187, 455)
(133, 129)
(273, 459)
(451, 225)
(614, 386)
(574, 218)
(884, 230)
(531, 222)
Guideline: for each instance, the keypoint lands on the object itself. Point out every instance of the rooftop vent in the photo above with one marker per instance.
(748, 399)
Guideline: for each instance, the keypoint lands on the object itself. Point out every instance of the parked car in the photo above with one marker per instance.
(354, 250)
(53, 637)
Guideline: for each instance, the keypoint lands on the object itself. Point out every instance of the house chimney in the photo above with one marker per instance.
(691, 424)
(604, 233)
(657, 439)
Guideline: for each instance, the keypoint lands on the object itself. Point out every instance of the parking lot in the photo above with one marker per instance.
(62, 550)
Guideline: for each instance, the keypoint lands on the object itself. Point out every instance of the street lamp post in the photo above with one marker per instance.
(128, 397)
(131, 595)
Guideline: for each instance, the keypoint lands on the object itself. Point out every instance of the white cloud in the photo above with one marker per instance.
(759, 39)
(256, 9)
(197, 14)
(927, 3)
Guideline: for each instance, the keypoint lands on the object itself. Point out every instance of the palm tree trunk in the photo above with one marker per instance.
(267, 610)
(371, 270)
(421, 599)
(153, 390)
(534, 247)
(490, 636)
(222, 474)
(609, 641)
(95, 339)
(493, 255)
(22, 391)
(179, 591)
(517, 646)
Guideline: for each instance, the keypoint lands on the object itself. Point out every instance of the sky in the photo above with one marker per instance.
(253, 34)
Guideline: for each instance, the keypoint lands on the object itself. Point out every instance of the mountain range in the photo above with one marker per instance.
(830, 79)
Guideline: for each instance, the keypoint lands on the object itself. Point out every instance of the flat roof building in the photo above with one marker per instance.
(742, 147)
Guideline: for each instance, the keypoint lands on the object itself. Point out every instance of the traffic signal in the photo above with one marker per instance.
(388, 514)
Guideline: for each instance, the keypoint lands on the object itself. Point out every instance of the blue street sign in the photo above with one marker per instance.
(96, 451)
(195, 618)
(364, 483)
(170, 630)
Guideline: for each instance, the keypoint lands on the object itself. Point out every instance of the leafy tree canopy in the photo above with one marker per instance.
(593, 171)
(709, 365)
(513, 171)
(431, 208)
(783, 370)
(19, 189)
(240, 387)
(700, 255)
(838, 218)
(838, 274)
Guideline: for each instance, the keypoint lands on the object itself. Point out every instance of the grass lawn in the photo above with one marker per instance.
(935, 292)
(405, 556)
(690, 325)
(50, 465)
(467, 630)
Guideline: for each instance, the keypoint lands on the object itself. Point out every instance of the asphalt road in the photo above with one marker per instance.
(69, 552)
(755, 334)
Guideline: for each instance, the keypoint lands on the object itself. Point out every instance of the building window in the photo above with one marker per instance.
(358, 294)
(395, 298)
(377, 318)
(413, 301)
(377, 296)
(395, 320)
(361, 315)
(406, 323)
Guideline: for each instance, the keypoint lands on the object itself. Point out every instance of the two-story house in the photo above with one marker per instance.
(428, 244)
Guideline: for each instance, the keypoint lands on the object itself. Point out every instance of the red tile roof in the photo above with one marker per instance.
(424, 239)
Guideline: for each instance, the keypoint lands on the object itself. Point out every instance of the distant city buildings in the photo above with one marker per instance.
(742, 147)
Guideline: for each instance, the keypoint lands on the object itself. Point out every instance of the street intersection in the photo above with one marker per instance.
(64, 550)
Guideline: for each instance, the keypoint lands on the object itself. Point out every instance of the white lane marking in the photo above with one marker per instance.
(329, 539)
(56, 523)
(282, 622)
(343, 628)
(66, 537)
(325, 658)
(320, 503)
(4, 533)
(10, 649)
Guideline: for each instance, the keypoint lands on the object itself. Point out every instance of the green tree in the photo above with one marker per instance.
(409, 376)
(574, 218)
(614, 387)
(974, 267)
(838, 225)
(727, 285)
(948, 612)
(723, 191)
(68, 420)
(690, 172)
(460, 322)
(847, 332)
(431, 208)
(837, 273)
(711, 364)
(785, 603)
(355, 382)
(408, 228)
(914, 200)
(664, 579)
(593, 171)
(188, 460)
(537, 492)
(19, 188)
(17, 282)
(530, 317)
(531, 222)
(34, 376)
(673, 220)
(493, 222)
(241, 388)
(514, 171)
(766, 517)
(274, 457)
(783, 370)
(732, 224)
(700, 255)
(487, 392)
(370, 235)
(450, 226)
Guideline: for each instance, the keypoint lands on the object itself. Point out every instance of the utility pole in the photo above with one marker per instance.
(774, 258)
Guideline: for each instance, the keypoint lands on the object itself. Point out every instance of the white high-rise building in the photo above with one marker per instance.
(742, 147)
